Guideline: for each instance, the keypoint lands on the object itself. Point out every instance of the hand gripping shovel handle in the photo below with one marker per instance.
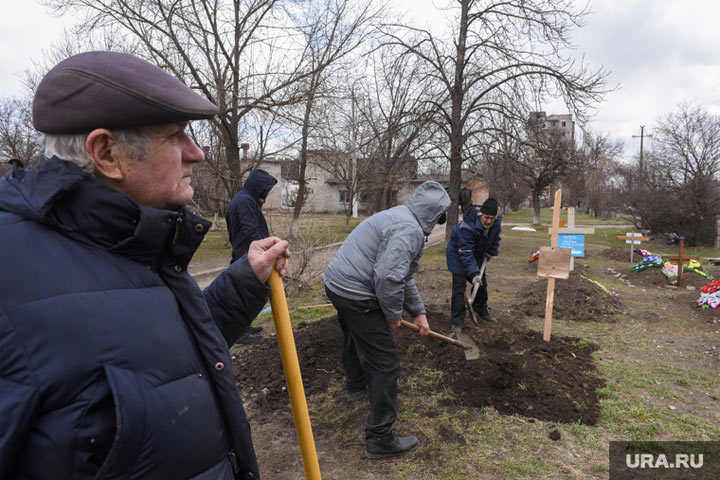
(477, 285)
(439, 336)
(288, 353)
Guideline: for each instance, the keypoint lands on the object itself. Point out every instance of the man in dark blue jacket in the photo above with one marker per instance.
(246, 223)
(114, 364)
(245, 220)
(473, 241)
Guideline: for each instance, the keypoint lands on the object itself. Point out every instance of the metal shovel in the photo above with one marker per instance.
(471, 299)
(472, 352)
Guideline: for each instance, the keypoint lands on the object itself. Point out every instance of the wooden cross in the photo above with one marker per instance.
(553, 263)
(680, 260)
(633, 239)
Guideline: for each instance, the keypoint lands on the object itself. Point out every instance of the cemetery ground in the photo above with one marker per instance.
(644, 365)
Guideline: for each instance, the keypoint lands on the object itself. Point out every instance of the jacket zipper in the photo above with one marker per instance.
(178, 223)
(234, 462)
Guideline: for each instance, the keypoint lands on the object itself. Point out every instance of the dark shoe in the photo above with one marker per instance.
(357, 394)
(485, 315)
(254, 330)
(389, 446)
(455, 329)
(247, 339)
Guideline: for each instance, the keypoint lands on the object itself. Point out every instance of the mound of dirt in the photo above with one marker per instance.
(654, 278)
(576, 299)
(518, 373)
(620, 255)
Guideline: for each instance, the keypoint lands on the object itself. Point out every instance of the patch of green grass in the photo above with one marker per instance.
(309, 296)
(214, 245)
(525, 466)
(525, 215)
(322, 228)
(313, 229)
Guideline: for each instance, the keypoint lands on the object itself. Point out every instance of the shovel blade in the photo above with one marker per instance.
(472, 351)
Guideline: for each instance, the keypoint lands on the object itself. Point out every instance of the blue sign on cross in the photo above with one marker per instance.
(574, 241)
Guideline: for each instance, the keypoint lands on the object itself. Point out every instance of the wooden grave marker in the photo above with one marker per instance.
(556, 265)
(633, 239)
(680, 259)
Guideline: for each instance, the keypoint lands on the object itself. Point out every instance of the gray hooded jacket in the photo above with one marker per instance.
(377, 260)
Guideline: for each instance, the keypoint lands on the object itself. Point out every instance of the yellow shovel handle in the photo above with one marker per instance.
(288, 352)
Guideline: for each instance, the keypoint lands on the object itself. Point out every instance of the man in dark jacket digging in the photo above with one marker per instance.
(473, 241)
(114, 364)
(246, 223)
(370, 283)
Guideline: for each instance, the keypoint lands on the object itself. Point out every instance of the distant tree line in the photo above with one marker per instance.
(353, 77)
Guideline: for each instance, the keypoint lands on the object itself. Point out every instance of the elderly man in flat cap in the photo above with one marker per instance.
(114, 364)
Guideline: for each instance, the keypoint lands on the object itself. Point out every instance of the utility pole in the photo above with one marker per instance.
(353, 158)
(641, 136)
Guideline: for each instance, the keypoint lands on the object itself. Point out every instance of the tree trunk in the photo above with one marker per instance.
(302, 184)
(536, 206)
(457, 139)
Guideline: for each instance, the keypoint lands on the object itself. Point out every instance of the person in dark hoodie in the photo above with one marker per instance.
(245, 220)
(473, 241)
(370, 282)
(246, 223)
(114, 363)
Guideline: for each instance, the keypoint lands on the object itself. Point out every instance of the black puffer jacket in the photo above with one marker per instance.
(113, 363)
(245, 220)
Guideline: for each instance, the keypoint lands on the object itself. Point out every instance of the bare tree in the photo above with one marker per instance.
(332, 29)
(500, 50)
(494, 158)
(18, 138)
(679, 190)
(397, 113)
(592, 177)
(244, 56)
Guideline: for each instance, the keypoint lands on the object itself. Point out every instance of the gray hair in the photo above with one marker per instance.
(71, 147)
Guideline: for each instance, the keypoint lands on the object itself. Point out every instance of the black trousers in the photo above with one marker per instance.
(457, 302)
(371, 358)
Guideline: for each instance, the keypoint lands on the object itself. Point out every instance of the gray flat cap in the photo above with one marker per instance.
(112, 90)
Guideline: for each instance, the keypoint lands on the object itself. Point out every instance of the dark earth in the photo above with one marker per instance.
(518, 373)
(575, 299)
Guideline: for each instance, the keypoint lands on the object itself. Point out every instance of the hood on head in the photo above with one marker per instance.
(428, 203)
(259, 183)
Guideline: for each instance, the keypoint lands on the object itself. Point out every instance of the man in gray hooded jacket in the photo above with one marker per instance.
(370, 283)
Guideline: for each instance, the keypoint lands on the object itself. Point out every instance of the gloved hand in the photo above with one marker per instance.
(477, 279)
(487, 257)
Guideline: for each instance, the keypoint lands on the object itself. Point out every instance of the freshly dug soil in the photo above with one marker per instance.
(654, 278)
(576, 299)
(518, 373)
(620, 255)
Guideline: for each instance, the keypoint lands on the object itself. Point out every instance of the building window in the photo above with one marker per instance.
(344, 196)
(563, 124)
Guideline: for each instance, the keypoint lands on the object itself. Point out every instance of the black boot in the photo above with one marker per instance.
(247, 339)
(389, 446)
(485, 315)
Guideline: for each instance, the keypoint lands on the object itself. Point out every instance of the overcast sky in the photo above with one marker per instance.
(660, 52)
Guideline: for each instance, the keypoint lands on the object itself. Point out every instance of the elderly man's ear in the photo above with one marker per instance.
(102, 148)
